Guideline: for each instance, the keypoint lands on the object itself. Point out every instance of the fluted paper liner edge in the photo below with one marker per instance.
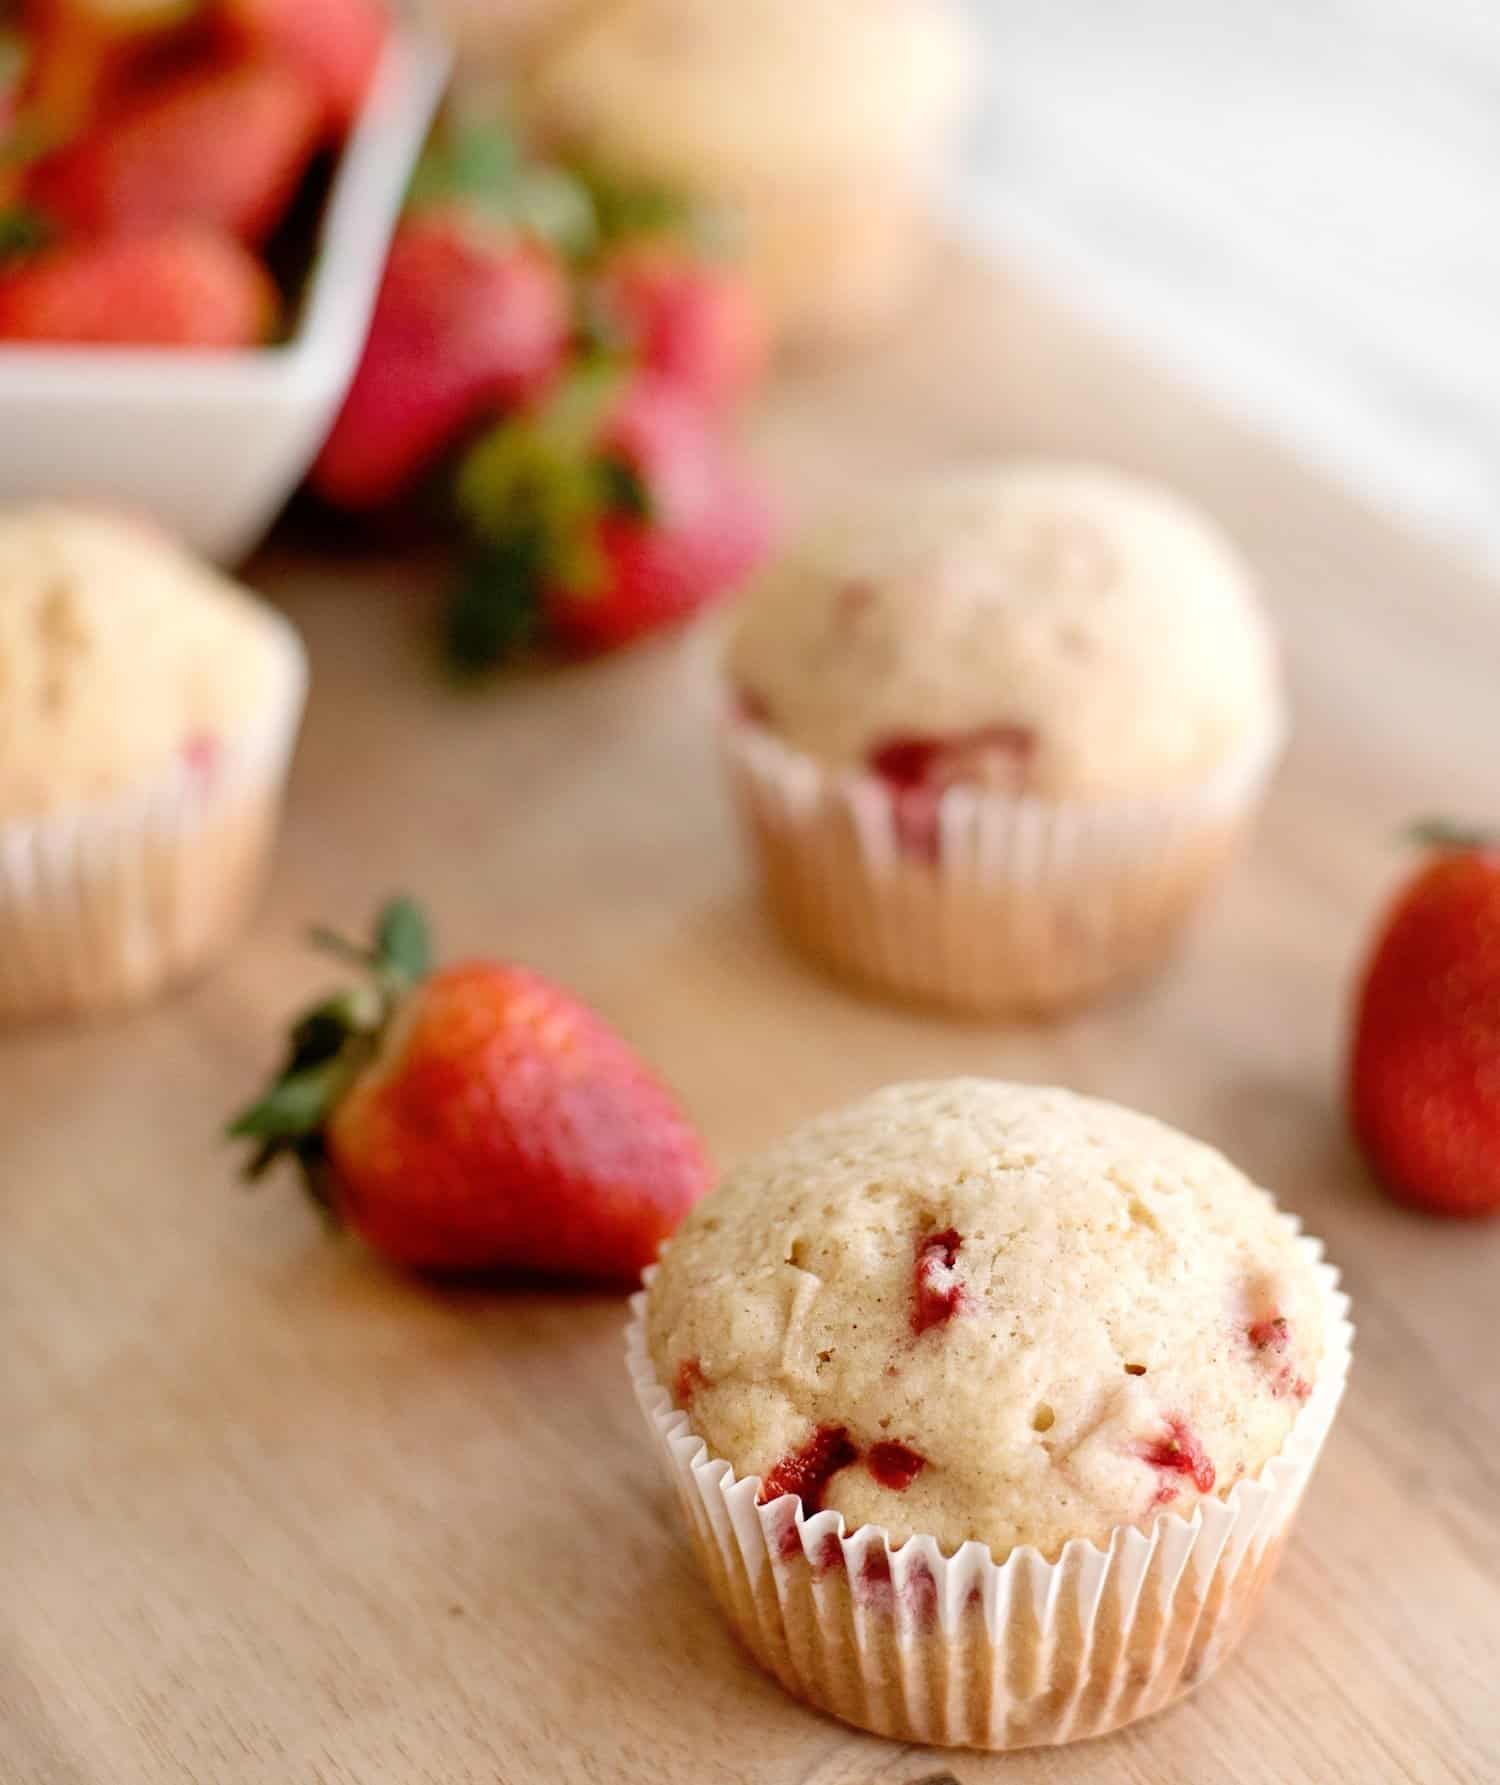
(104, 905)
(1029, 904)
(965, 1651)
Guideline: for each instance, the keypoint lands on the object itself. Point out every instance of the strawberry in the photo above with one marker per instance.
(77, 53)
(470, 318)
(176, 287)
(477, 1118)
(692, 320)
(15, 59)
(1424, 1072)
(615, 511)
(221, 146)
(335, 45)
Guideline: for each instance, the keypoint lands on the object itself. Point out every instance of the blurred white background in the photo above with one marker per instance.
(1297, 203)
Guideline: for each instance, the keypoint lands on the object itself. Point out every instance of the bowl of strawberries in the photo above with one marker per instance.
(196, 199)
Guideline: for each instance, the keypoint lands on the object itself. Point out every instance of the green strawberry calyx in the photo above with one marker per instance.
(482, 169)
(531, 493)
(330, 1045)
(1446, 833)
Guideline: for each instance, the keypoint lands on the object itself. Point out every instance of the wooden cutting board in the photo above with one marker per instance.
(272, 1514)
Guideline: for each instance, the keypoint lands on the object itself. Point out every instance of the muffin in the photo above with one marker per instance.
(989, 1407)
(817, 124)
(147, 712)
(996, 735)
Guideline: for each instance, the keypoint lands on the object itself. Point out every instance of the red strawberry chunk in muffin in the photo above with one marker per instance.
(1178, 1452)
(1269, 1338)
(919, 770)
(202, 752)
(807, 1472)
(690, 1378)
(937, 1294)
(895, 1466)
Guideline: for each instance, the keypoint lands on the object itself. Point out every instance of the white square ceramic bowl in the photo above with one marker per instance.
(213, 444)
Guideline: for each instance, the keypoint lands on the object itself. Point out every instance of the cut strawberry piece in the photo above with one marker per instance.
(1178, 1452)
(937, 1293)
(895, 1466)
(919, 770)
(689, 1380)
(1270, 1333)
(807, 1472)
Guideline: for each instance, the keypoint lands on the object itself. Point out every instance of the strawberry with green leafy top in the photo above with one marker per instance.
(476, 1118)
(614, 511)
(1424, 1070)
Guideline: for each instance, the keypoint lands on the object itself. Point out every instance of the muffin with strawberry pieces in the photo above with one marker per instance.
(817, 127)
(147, 712)
(997, 733)
(986, 1381)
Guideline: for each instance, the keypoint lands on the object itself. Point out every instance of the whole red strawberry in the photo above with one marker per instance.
(220, 146)
(74, 56)
(476, 1119)
(334, 45)
(1424, 1078)
(693, 321)
(617, 510)
(471, 317)
(177, 287)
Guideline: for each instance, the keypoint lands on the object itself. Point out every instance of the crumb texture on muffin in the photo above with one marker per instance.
(120, 656)
(988, 1311)
(1056, 630)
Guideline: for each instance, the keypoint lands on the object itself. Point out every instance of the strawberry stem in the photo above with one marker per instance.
(1445, 833)
(330, 1045)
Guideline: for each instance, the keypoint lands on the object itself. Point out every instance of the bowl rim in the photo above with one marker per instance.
(360, 212)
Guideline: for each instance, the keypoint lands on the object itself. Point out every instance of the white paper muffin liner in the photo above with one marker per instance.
(1030, 904)
(103, 905)
(964, 1651)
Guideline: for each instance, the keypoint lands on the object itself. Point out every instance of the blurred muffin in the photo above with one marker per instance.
(817, 123)
(996, 736)
(988, 1364)
(147, 712)
(501, 38)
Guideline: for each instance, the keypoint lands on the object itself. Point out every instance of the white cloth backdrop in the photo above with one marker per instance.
(1297, 202)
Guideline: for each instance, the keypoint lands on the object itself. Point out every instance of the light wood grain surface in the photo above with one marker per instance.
(271, 1514)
